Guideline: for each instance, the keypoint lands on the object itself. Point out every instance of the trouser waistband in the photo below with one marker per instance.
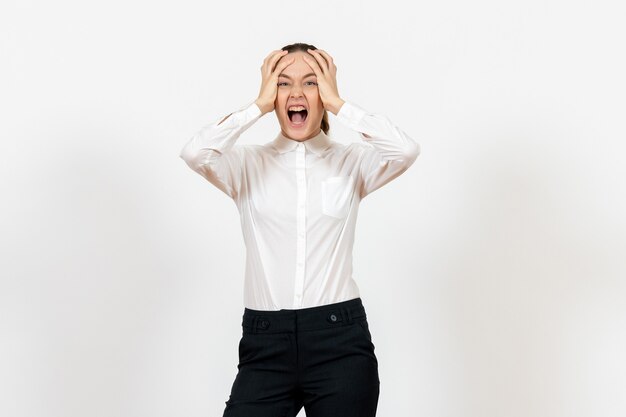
(311, 318)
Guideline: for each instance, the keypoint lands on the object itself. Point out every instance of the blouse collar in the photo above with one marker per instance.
(317, 144)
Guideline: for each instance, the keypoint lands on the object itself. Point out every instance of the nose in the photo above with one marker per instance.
(296, 92)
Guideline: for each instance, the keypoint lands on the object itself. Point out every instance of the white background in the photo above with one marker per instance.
(492, 271)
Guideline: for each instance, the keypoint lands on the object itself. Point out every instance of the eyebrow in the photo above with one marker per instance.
(288, 77)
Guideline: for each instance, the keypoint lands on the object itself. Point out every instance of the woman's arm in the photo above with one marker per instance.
(387, 150)
(212, 153)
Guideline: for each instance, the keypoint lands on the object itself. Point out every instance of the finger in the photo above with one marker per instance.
(272, 54)
(328, 58)
(268, 58)
(282, 65)
(314, 65)
(320, 60)
(273, 59)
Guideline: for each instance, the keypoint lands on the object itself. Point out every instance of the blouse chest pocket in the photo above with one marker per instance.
(337, 195)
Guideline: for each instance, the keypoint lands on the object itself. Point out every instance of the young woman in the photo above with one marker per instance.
(305, 336)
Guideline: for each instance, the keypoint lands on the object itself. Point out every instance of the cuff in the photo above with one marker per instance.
(248, 112)
(350, 114)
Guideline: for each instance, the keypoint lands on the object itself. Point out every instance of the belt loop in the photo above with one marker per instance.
(254, 320)
(347, 314)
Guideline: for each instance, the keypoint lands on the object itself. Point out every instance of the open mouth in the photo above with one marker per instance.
(297, 118)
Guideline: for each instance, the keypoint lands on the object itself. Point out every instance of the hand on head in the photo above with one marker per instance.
(269, 79)
(322, 65)
(326, 73)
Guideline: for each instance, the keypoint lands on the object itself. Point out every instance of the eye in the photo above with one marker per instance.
(282, 83)
(312, 82)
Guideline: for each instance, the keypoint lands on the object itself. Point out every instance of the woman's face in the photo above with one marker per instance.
(297, 85)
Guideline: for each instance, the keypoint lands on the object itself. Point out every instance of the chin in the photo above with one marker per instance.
(298, 134)
(300, 131)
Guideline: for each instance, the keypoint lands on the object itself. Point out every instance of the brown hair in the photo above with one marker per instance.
(294, 47)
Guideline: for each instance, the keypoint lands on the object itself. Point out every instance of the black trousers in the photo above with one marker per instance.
(320, 357)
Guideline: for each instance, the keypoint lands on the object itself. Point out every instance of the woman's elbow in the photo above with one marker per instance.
(412, 152)
(187, 155)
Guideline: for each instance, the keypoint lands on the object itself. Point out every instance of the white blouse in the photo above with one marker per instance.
(298, 201)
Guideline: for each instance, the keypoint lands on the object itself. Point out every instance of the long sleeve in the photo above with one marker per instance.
(387, 150)
(212, 152)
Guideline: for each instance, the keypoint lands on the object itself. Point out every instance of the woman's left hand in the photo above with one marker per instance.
(326, 73)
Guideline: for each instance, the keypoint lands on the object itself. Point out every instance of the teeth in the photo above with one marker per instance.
(296, 108)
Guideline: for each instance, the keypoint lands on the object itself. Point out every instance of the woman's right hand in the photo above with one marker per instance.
(269, 82)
